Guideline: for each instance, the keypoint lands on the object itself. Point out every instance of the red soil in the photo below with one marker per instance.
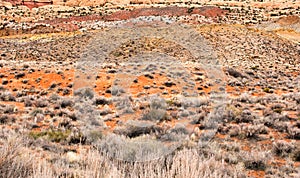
(46, 80)
(253, 173)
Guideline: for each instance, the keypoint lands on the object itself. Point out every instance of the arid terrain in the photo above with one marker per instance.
(149, 88)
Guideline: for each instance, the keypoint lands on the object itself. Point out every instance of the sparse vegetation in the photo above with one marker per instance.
(209, 99)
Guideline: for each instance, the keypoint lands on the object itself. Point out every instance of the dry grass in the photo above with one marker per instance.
(15, 162)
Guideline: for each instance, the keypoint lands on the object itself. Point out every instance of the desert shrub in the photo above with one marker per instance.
(27, 102)
(54, 97)
(252, 131)
(184, 113)
(76, 136)
(19, 75)
(178, 133)
(234, 82)
(231, 152)
(234, 130)
(196, 119)
(296, 153)
(106, 110)
(210, 122)
(137, 128)
(20, 94)
(41, 103)
(53, 85)
(102, 100)
(117, 90)
(85, 111)
(255, 160)
(279, 117)
(280, 126)
(235, 73)
(170, 137)
(36, 111)
(246, 116)
(13, 162)
(9, 109)
(295, 97)
(215, 117)
(137, 149)
(73, 116)
(268, 90)
(86, 93)
(7, 96)
(286, 170)
(273, 172)
(123, 104)
(4, 119)
(293, 133)
(52, 135)
(156, 115)
(282, 148)
(231, 158)
(180, 129)
(266, 100)
(66, 91)
(278, 107)
(213, 148)
(66, 103)
(187, 102)
(94, 136)
(265, 121)
(231, 113)
(245, 98)
(232, 146)
(207, 136)
(157, 103)
(65, 122)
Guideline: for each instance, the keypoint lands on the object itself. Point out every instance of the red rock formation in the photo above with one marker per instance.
(31, 3)
(209, 11)
(289, 20)
(169, 11)
(64, 24)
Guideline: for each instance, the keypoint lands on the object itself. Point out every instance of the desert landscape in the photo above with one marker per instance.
(149, 89)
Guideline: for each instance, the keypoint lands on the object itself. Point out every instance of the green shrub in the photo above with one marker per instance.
(54, 136)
